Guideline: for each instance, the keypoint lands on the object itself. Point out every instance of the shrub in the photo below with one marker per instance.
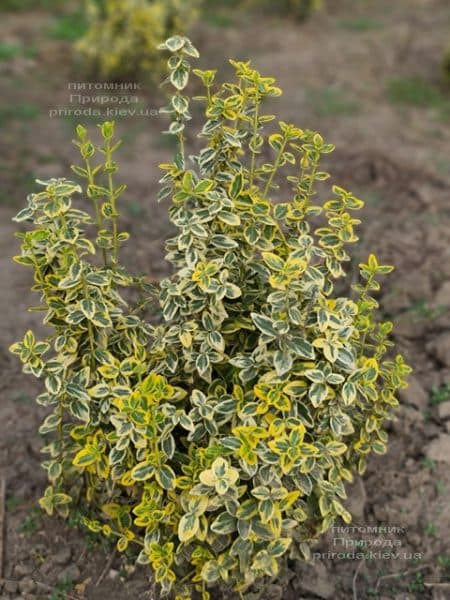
(219, 441)
(123, 35)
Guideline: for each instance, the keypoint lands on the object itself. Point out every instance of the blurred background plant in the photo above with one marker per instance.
(122, 38)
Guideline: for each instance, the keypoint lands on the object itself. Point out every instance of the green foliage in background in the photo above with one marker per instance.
(217, 443)
(299, 9)
(123, 35)
(446, 67)
(21, 5)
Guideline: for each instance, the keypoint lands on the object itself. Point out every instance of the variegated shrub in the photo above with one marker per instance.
(123, 35)
(218, 442)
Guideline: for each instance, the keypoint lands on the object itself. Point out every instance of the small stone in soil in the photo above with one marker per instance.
(440, 594)
(444, 410)
(442, 296)
(415, 540)
(380, 512)
(418, 479)
(316, 580)
(408, 420)
(10, 587)
(440, 348)
(414, 394)
(70, 573)
(417, 285)
(22, 570)
(46, 567)
(431, 430)
(357, 499)
(23, 555)
(27, 585)
(410, 464)
(439, 448)
(63, 556)
(274, 592)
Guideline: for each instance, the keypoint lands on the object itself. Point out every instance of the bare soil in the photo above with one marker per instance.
(335, 71)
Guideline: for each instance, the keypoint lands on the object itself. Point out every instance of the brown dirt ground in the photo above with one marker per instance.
(334, 70)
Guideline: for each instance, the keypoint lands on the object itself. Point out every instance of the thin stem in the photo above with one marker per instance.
(243, 88)
(208, 94)
(98, 214)
(188, 577)
(141, 305)
(112, 199)
(363, 293)
(180, 135)
(91, 339)
(181, 146)
(90, 330)
(303, 176)
(255, 132)
(276, 166)
(37, 270)
(311, 183)
(308, 308)
(60, 427)
(133, 541)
